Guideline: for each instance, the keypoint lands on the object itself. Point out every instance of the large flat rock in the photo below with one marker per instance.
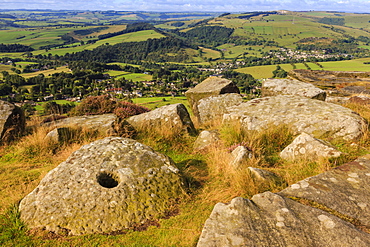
(106, 122)
(345, 189)
(301, 114)
(272, 220)
(330, 209)
(274, 87)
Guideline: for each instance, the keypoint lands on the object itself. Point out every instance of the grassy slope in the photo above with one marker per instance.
(128, 37)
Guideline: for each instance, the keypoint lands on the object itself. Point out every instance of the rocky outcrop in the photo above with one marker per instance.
(173, 117)
(265, 176)
(337, 100)
(211, 109)
(107, 123)
(211, 86)
(273, 87)
(306, 146)
(239, 155)
(330, 209)
(325, 77)
(344, 189)
(12, 121)
(205, 140)
(301, 114)
(106, 186)
(60, 135)
(360, 99)
(345, 83)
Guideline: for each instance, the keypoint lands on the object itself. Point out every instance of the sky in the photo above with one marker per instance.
(357, 6)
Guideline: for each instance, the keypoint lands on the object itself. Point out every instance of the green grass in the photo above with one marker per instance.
(136, 77)
(155, 102)
(40, 109)
(129, 76)
(129, 37)
(47, 72)
(210, 180)
(347, 65)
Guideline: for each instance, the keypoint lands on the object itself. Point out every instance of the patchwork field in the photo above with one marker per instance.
(259, 72)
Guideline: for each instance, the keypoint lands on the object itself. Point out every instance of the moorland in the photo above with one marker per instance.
(151, 59)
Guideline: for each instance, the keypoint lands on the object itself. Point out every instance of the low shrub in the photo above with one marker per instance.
(96, 105)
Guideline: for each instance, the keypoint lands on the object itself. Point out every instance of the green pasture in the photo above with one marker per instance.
(128, 37)
(135, 77)
(34, 37)
(39, 105)
(259, 72)
(209, 53)
(115, 73)
(358, 21)
(288, 29)
(124, 64)
(47, 72)
(155, 102)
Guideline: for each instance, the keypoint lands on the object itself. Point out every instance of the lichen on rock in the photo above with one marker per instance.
(106, 186)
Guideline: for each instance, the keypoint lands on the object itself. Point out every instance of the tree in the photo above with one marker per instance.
(279, 72)
(5, 89)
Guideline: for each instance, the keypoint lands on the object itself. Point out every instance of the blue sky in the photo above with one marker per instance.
(192, 5)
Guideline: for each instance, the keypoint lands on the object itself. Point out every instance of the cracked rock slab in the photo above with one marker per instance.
(270, 219)
(345, 189)
(275, 219)
(314, 117)
(274, 87)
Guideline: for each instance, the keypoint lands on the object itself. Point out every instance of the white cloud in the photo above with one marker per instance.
(192, 5)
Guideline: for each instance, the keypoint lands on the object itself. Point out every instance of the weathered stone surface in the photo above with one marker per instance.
(272, 220)
(105, 186)
(59, 135)
(344, 189)
(360, 99)
(306, 146)
(211, 86)
(350, 80)
(273, 87)
(264, 175)
(301, 114)
(175, 117)
(106, 123)
(324, 77)
(211, 109)
(337, 100)
(12, 121)
(206, 139)
(239, 155)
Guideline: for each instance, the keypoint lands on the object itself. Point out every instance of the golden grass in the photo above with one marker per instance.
(210, 177)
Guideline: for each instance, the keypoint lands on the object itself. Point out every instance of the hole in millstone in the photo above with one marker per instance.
(107, 180)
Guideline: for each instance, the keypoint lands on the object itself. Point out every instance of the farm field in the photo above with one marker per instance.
(155, 102)
(47, 72)
(135, 76)
(128, 37)
(259, 72)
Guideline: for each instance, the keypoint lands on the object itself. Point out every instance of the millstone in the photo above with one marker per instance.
(106, 186)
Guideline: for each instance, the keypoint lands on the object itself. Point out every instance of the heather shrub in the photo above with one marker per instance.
(96, 105)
